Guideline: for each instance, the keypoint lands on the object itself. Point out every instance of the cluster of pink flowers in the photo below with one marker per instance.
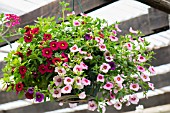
(13, 20)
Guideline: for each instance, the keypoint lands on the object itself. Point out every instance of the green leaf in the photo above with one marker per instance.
(20, 95)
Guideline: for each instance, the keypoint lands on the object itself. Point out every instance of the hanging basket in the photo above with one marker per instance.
(77, 60)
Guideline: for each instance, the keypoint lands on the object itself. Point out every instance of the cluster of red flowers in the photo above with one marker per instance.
(13, 20)
(29, 34)
(47, 52)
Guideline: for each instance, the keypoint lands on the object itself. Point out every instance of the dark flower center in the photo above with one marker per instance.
(60, 71)
(104, 67)
(91, 105)
(68, 80)
(134, 86)
(133, 98)
(74, 48)
(100, 77)
(118, 78)
(145, 77)
(107, 85)
(66, 88)
(59, 80)
(56, 92)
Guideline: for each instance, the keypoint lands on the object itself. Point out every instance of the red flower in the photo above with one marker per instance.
(65, 56)
(27, 29)
(47, 37)
(101, 35)
(42, 68)
(22, 70)
(54, 45)
(49, 61)
(47, 52)
(50, 69)
(29, 52)
(28, 37)
(22, 76)
(63, 45)
(35, 31)
(19, 87)
(29, 95)
(56, 60)
(20, 55)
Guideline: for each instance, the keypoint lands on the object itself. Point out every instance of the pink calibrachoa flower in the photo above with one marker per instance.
(76, 23)
(85, 81)
(99, 40)
(74, 48)
(108, 86)
(152, 70)
(106, 53)
(66, 65)
(140, 68)
(72, 105)
(151, 85)
(113, 38)
(77, 68)
(89, 56)
(92, 105)
(82, 95)
(72, 13)
(118, 105)
(132, 31)
(109, 58)
(66, 89)
(82, 52)
(145, 77)
(82, 14)
(68, 81)
(57, 80)
(102, 47)
(117, 28)
(108, 102)
(60, 71)
(105, 67)
(141, 39)
(100, 78)
(56, 93)
(114, 32)
(133, 99)
(83, 65)
(78, 83)
(118, 79)
(112, 96)
(134, 86)
(141, 58)
(129, 46)
(60, 103)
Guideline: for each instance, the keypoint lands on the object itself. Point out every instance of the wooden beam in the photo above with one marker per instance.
(163, 5)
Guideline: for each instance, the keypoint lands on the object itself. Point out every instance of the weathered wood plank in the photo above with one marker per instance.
(138, 23)
(162, 56)
(8, 97)
(158, 19)
(37, 108)
(163, 5)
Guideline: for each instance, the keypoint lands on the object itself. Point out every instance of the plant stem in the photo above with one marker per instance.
(7, 41)
(63, 14)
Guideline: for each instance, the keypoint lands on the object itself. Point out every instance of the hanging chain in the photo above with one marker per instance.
(80, 6)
